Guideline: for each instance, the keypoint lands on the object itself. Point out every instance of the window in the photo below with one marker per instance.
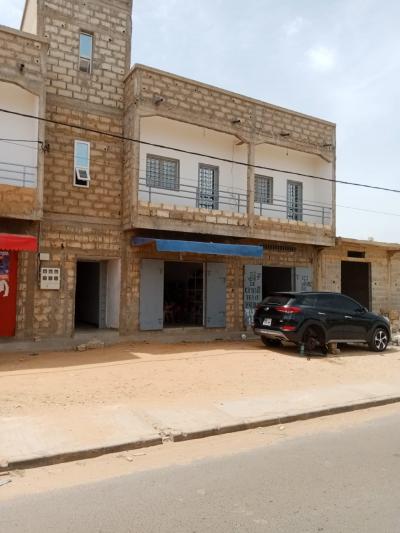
(207, 192)
(85, 52)
(82, 164)
(263, 189)
(294, 200)
(162, 173)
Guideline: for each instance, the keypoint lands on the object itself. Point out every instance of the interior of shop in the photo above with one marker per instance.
(276, 279)
(87, 295)
(183, 294)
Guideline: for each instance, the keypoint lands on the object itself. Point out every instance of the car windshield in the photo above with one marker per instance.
(277, 299)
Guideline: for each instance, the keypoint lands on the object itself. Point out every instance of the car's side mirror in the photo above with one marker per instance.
(362, 310)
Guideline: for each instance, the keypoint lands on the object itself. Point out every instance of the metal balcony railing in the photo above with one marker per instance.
(17, 175)
(227, 200)
(191, 196)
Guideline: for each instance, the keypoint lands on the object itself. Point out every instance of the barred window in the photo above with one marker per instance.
(263, 189)
(162, 173)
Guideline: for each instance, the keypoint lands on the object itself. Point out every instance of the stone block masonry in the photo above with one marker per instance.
(201, 104)
(66, 243)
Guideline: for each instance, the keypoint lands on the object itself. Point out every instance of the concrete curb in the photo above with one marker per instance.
(89, 453)
(34, 462)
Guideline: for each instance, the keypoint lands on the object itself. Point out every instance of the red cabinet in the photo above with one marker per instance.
(8, 292)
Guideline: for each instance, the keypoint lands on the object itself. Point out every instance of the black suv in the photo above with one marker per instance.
(315, 319)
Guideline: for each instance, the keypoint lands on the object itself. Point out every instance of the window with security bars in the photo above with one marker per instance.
(207, 192)
(162, 173)
(294, 200)
(263, 189)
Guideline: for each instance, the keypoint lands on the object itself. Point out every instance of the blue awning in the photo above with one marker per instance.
(196, 247)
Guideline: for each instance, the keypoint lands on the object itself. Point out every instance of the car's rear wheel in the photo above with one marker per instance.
(379, 340)
(314, 340)
(271, 343)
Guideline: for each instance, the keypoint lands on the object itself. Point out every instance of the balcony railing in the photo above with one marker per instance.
(17, 175)
(234, 201)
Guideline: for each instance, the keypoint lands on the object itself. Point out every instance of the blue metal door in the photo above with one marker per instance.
(216, 295)
(151, 313)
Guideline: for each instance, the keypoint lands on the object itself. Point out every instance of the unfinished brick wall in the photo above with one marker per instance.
(110, 23)
(66, 243)
(198, 103)
(23, 63)
(102, 199)
(18, 48)
(299, 256)
(385, 270)
(217, 222)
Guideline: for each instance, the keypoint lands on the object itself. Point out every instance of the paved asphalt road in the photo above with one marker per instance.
(341, 481)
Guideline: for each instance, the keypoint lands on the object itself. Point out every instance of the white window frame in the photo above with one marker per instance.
(84, 58)
(79, 168)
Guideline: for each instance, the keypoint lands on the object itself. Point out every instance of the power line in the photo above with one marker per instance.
(198, 154)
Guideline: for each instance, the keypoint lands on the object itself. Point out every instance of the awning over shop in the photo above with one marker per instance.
(23, 243)
(197, 247)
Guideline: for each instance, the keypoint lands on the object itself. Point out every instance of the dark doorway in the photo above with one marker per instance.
(87, 295)
(276, 279)
(183, 294)
(356, 281)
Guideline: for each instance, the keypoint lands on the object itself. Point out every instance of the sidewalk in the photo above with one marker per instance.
(67, 405)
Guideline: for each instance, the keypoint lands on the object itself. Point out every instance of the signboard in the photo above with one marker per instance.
(4, 274)
(304, 279)
(252, 291)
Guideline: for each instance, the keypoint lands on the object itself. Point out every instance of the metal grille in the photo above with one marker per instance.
(162, 173)
(263, 193)
(208, 187)
(295, 200)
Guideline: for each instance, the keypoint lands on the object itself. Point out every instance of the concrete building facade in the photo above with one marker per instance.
(158, 203)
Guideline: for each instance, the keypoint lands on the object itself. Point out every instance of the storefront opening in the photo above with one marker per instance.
(276, 279)
(183, 294)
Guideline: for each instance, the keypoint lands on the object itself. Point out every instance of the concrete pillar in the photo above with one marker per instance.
(250, 181)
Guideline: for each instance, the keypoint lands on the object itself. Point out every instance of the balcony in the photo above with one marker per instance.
(224, 211)
(17, 175)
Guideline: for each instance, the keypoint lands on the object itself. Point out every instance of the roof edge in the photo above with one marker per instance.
(140, 66)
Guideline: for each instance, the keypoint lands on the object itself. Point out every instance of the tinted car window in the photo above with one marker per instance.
(327, 300)
(306, 300)
(347, 304)
(277, 299)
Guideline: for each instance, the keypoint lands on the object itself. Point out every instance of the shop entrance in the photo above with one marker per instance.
(8, 293)
(356, 281)
(87, 295)
(183, 294)
(276, 279)
(97, 295)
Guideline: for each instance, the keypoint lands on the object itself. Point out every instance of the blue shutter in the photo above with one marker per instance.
(216, 295)
(151, 313)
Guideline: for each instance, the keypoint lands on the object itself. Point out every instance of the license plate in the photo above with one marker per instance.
(267, 321)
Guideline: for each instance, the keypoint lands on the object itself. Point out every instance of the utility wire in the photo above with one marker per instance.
(198, 154)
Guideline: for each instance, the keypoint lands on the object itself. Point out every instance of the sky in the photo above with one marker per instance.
(335, 59)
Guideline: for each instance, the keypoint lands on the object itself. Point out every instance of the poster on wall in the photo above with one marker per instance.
(252, 291)
(4, 274)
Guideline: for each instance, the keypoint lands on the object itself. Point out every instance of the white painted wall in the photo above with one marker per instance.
(30, 19)
(113, 293)
(17, 157)
(232, 178)
(316, 193)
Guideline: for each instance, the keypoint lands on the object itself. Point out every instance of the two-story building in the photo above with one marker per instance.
(22, 91)
(159, 202)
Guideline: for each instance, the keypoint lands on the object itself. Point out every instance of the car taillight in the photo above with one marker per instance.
(287, 309)
(288, 328)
